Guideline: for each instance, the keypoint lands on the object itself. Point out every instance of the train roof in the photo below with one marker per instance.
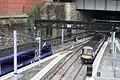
(87, 47)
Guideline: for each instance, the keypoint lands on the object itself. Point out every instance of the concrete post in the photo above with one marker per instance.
(113, 43)
(62, 40)
(15, 53)
(113, 51)
(39, 39)
(54, 33)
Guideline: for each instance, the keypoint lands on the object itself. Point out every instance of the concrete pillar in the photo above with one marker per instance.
(62, 39)
(113, 51)
(113, 43)
(68, 11)
(54, 32)
(68, 15)
(15, 54)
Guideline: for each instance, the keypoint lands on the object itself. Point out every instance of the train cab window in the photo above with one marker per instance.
(87, 51)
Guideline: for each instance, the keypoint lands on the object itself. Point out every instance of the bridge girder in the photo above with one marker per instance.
(89, 26)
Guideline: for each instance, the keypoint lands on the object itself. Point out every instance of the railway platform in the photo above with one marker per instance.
(107, 70)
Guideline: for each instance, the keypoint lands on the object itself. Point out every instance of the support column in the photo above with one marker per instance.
(39, 39)
(113, 43)
(113, 51)
(54, 33)
(39, 50)
(62, 40)
(15, 53)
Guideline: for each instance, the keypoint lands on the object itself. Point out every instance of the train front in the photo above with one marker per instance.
(87, 55)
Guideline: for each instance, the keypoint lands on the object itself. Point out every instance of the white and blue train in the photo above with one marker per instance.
(23, 58)
(88, 53)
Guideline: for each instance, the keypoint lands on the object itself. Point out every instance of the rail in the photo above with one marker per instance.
(49, 73)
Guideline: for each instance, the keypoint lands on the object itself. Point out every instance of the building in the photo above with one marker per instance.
(13, 7)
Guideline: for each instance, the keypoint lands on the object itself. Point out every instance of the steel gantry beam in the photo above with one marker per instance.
(90, 26)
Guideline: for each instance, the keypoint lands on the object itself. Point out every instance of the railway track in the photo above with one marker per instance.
(64, 61)
(81, 74)
(77, 45)
(65, 66)
(68, 68)
(60, 73)
(71, 69)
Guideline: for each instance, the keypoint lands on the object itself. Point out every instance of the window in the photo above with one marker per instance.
(87, 51)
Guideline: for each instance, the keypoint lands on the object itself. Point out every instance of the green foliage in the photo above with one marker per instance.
(11, 21)
(33, 10)
(31, 13)
(39, 6)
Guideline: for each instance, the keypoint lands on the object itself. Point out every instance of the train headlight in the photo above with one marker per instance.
(86, 56)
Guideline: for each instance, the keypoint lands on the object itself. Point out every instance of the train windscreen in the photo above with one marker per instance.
(87, 51)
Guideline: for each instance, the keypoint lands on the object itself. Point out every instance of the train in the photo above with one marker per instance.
(23, 58)
(88, 51)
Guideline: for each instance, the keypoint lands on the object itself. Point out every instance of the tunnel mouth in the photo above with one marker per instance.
(101, 14)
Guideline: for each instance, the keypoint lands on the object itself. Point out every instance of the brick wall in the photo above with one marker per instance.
(12, 7)
(3, 6)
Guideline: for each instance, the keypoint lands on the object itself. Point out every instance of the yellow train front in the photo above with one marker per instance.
(88, 54)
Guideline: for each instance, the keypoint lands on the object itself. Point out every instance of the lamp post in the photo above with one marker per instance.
(38, 39)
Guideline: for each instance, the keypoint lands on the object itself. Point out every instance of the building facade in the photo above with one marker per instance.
(13, 7)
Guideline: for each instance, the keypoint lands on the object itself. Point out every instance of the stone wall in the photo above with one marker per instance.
(59, 11)
(7, 25)
(52, 11)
